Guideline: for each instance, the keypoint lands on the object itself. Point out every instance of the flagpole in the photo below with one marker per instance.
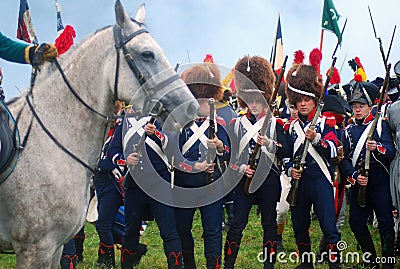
(322, 39)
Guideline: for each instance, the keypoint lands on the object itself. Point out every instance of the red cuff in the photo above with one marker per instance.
(351, 180)
(185, 167)
(381, 149)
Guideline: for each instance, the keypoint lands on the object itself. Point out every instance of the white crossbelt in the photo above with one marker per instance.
(198, 134)
(314, 154)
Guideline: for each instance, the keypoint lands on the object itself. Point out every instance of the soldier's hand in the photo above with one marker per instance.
(216, 143)
(133, 159)
(295, 173)
(370, 145)
(150, 128)
(363, 181)
(48, 53)
(204, 166)
(263, 140)
(249, 172)
(311, 134)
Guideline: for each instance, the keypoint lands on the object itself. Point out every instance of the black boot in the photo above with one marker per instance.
(68, 262)
(367, 245)
(231, 250)
(387, 243)
(333, 255)
(229, 212)
(175, 260)
(306, 263)
(214, 263)
(188, 259)
(79, 247)
(131, 259)
(269, 250)
(106, 256)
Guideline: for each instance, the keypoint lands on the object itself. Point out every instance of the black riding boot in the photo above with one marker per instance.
(175, 260)
(68, 262)
(306, 263)
(387, 242)
(79, 247)
(106, 256)
(214, 263)
(229, 212)
(131, 259)
(231, 249)
(367, 245)
(188, 259)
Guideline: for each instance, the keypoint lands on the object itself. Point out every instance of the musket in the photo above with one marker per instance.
(301, 160)
(255, 154)
(211, 133)
(273, 105)
(364, 166)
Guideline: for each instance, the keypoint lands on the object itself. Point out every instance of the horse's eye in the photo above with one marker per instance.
(148, 55)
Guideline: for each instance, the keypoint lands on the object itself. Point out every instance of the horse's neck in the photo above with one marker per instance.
(73, 124)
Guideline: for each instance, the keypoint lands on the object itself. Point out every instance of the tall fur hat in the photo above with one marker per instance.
(303, 80)
(204, 80)
(253, 75)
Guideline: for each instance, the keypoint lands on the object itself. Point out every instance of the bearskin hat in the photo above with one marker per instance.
(204, 80)
(253, 74)
(303, 80)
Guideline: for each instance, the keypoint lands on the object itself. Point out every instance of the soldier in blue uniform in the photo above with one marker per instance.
(204, 81)
(382, 149)
(19, 52)
(254, 80)
(315, 185)
(136, 200)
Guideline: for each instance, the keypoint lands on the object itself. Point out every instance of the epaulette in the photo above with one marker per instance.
(280, 122)
(330, 121)
(232, 122)
(221, 121)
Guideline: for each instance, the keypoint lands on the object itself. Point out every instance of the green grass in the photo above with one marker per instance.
(250, 246)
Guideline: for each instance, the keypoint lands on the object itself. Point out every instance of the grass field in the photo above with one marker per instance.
(250, 246)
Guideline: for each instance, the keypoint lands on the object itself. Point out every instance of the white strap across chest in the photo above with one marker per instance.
(252, 132)
(314, 154)
(137, 127)
(198, 134)
(360, 145)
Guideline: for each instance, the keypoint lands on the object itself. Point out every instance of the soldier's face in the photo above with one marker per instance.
(255, 106)
(305, 106)
(361, 110)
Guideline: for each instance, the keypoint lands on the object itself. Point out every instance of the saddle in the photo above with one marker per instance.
(8, 143)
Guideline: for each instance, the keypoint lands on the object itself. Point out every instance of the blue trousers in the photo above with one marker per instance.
(267, 196)
(211, 218)
(109, 201)
(378, 199)
(136, 204)
(319, 193)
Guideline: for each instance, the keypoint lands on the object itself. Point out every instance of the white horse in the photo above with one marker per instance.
(43, 203)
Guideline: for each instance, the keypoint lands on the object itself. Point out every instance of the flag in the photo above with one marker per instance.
(25, 29)
(277, 56)
(65, 36)
(330, 19)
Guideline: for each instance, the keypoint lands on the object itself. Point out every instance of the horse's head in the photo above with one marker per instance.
(161, 91)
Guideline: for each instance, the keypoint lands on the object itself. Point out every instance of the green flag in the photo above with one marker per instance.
(330, 19)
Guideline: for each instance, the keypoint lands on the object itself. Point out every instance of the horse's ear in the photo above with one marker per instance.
(120, 14)
(140, 14)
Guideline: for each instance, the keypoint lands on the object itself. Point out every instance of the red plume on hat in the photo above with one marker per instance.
(298, 57)
(209, 58)
(335, 79)
(315, 59)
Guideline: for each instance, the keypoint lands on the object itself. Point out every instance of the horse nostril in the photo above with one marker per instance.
(192, 109)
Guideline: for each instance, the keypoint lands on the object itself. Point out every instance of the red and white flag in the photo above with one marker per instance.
(65, 36)
(25, 29)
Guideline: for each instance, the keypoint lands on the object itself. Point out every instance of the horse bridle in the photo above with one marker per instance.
(120, 43)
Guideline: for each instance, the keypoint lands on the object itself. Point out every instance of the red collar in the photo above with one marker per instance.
(311, 115)
(368, 119)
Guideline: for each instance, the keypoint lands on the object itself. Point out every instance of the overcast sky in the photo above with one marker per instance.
(226, 29)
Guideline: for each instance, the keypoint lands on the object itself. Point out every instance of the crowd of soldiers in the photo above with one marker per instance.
(304, 154)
